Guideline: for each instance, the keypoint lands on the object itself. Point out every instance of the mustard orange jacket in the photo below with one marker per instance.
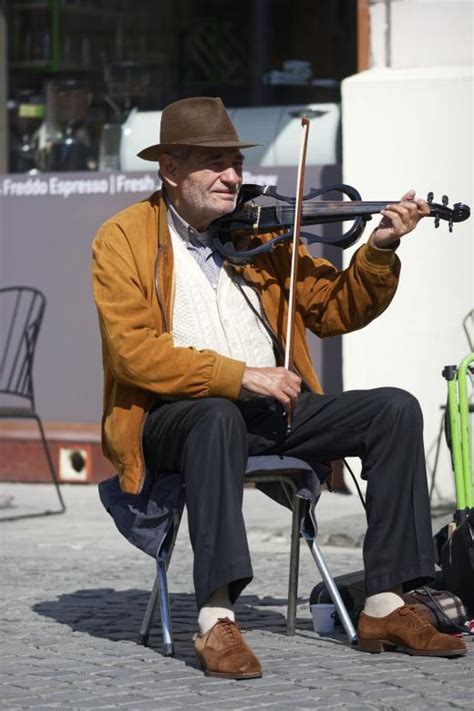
(133, 288)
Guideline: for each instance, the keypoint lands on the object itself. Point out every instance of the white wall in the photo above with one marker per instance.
(412, 128)
(421, 33)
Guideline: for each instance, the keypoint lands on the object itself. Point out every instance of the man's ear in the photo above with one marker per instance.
(169, 169)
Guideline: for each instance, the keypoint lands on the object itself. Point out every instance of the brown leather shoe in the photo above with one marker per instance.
(405, 630)
(223, 652)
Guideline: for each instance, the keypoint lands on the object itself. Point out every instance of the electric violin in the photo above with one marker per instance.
(252, 220)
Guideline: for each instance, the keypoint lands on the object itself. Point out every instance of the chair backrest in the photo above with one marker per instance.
(21, 313)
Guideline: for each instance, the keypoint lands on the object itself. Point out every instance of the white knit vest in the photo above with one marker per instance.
(220, 320)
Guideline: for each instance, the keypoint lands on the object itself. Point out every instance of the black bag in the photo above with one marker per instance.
(352, 590)
(456, 557)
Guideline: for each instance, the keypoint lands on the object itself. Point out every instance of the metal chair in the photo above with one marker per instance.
(22, 310)
(261, 470)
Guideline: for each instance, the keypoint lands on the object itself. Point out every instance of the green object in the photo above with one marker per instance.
(464, 371)
(461, 445)
(31, 111)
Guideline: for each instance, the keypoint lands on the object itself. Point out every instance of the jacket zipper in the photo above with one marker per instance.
(164, 321)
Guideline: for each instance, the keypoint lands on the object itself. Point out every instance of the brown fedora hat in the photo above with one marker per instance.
(198, 121)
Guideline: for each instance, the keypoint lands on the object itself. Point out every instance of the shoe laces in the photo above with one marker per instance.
(411, 611)
(229, 628)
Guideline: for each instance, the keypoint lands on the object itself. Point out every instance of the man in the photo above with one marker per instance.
(193, 383)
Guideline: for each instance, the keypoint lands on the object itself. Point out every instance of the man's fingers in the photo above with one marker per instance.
(289, 381)
(287, 393)
(279, 383)
(286, 396)
(404, 208)
(282, 398)
(403, 216)
(398, 217)
(422, 206)
(288, 402)
(289, 375)
(285, 401)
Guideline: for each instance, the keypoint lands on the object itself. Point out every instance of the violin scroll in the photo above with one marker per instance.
(458, 213)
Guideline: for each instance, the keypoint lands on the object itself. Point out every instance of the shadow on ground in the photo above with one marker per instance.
(117, 615)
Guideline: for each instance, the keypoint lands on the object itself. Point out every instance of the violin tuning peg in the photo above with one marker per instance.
(445, 200)
(436, 222)
(430, 197)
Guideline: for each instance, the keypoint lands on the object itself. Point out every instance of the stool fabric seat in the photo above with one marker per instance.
(146, 520)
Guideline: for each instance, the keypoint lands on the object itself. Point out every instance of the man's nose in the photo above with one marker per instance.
(230, 176)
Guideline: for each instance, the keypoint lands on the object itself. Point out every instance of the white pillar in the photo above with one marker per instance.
(411, 126)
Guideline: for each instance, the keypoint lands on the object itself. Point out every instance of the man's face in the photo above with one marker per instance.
(207, 182)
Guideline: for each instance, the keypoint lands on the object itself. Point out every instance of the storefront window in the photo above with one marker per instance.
(75, 66)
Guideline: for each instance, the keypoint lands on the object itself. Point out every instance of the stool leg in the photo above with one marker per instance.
(149, 615)
(168, 646)
(294, 568)
(333, 591)
(159, 591)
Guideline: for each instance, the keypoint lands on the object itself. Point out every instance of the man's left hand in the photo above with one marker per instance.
(398, 220)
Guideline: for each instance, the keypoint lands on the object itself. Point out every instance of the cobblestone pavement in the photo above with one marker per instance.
(74, 593)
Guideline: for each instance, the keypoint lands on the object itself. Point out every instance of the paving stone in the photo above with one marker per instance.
(71, 628)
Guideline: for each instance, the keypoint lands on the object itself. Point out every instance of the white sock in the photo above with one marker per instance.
(217, 606)
(382, 604)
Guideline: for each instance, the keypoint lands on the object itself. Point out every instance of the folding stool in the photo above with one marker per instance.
(261, 470)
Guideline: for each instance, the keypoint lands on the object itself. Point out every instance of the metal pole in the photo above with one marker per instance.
(333, 591)
(294, 568)
(168, 646)
(149, 615)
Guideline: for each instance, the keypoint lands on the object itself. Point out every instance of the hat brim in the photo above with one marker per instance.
(153, 152)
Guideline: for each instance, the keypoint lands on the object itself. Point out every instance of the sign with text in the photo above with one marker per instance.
(108, 184)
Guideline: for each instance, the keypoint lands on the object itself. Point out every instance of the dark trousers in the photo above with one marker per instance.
(208, 440)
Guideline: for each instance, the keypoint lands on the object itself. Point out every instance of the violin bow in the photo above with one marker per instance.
(290, 326)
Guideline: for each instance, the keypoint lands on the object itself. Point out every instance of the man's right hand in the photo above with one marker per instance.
(279, 383)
